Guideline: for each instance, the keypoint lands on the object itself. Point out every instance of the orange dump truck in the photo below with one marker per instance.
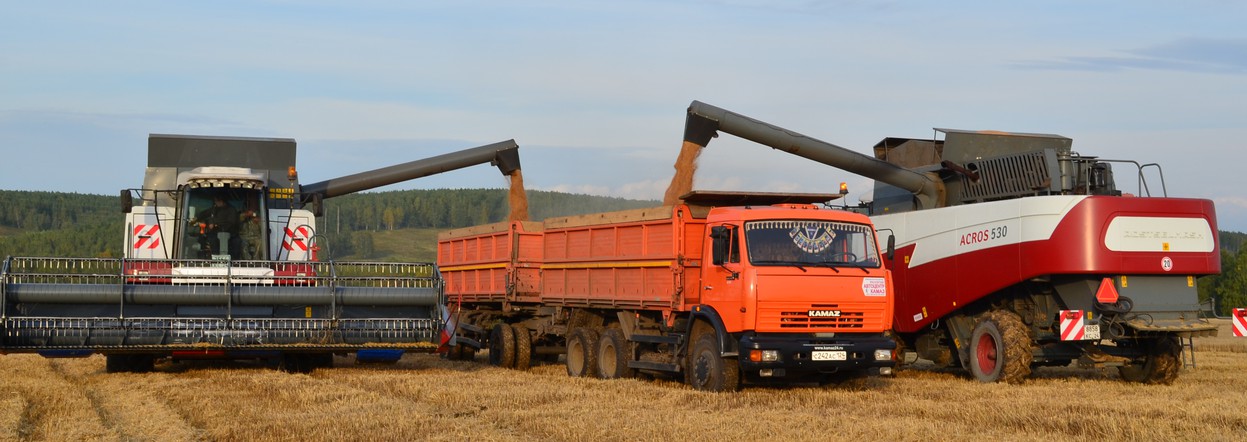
(725, 288)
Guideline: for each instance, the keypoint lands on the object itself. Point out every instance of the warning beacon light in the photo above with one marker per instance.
(844, 188)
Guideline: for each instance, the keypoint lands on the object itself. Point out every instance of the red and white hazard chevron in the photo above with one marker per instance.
(1240, 322)
(146, 236)
(1072, 325)
(296, 239)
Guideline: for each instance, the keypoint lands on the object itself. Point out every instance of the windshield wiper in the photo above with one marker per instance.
(783, 263)
(833, 264)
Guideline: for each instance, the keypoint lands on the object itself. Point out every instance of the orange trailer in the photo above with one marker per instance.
(728, 287)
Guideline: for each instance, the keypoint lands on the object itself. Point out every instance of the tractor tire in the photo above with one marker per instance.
(1162, 363)
(523, 348)
(614, 352)
(1000, 349)
(582, 353)
(708, 371)
(502, 346)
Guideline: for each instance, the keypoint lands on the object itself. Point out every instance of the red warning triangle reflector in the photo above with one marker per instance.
(1107, 294)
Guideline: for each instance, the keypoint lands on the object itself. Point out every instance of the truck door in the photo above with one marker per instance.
(723, 280)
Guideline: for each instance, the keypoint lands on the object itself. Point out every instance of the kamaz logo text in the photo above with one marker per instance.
(824, 313)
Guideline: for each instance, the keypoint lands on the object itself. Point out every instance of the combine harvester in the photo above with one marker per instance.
(1013, 251)
(191, 285)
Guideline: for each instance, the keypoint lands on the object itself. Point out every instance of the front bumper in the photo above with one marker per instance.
(806, 356)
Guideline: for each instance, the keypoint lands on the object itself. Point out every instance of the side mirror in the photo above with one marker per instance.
(127, 201)
(891, 246)
(719, 236)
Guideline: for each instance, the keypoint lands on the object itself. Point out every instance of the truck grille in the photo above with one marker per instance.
(844, 317)
(802, 319)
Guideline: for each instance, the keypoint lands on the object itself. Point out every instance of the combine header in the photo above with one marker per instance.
(1014, 251)
(221, 262)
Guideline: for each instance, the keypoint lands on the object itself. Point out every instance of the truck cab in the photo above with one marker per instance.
(802, 290)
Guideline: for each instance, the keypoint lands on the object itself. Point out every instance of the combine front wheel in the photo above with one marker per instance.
(1000, 348)
(128, 363)
(1161, 365)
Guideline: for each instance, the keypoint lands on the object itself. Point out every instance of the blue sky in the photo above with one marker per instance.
(595, 92)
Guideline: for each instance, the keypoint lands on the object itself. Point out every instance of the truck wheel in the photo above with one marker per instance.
(710, 372)
(1162, 363)
(502, 346)
(613, 355)
(1000, 349)
(582, 353)
(523, 348)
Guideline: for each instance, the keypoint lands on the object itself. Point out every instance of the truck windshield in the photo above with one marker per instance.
(810, 243)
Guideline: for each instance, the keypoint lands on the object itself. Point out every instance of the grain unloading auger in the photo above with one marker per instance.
(1013, 251)
(240, 279)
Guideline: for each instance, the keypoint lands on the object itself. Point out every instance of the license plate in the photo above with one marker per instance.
(830, 355)
(1091, 332)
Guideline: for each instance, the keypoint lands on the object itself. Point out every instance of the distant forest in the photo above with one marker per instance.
(453, 208)
(77, 225)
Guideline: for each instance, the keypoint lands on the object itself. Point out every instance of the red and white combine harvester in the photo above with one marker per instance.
(1013, 251)
(221, 262)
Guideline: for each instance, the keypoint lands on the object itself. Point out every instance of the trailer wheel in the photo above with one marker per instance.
(467, 353)
(523, 348)
(708, 370)
(502, 346)
(461, 353)
(582, 353)
(1161, 365)
(1000, 348)
(613, 355)
(453, 353)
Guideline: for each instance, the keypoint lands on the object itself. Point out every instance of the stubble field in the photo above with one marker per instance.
(426, 398)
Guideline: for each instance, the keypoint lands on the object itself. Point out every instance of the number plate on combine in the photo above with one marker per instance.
(829, 355)
(1091, 332)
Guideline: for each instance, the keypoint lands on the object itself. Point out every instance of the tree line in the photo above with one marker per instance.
(1229, 289)
(82, 225)
(453, 208)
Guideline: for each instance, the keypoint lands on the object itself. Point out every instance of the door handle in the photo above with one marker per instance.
(708, 288)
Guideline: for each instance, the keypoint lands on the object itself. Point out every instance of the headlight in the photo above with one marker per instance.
(883, 355)
(763, 355)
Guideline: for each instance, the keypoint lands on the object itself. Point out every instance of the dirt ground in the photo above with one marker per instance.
(426, 398)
